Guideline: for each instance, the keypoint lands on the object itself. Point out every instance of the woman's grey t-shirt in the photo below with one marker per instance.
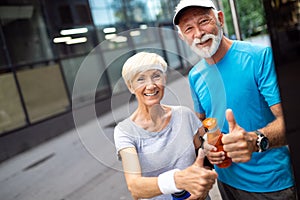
(168, 149)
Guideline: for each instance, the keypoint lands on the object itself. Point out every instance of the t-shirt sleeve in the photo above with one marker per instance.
(194, 121)
(122, 140)
(267, 79)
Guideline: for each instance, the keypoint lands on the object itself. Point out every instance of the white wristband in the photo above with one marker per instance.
(205, 137)
(166, 182)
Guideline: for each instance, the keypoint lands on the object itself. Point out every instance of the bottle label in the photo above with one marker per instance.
(213, 130)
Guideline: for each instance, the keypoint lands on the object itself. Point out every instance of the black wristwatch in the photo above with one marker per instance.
(202, 142)
(262, 141)
(201, 146)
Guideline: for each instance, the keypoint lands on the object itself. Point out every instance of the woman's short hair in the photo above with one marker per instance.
(140, 62)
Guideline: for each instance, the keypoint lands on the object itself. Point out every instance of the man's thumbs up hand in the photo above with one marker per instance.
(231, 120)
(238, 143)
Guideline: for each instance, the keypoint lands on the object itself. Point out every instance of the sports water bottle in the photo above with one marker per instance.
(181, 195)
(214, 137)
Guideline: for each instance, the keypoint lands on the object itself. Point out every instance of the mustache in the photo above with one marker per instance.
(204, 38)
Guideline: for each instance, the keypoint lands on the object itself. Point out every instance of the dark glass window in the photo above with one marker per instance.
(83, 13)
(11, 112)
(43, 90)
(70, 27)
(2, 53)
(104, 13)
(24, 31)
(65, 14)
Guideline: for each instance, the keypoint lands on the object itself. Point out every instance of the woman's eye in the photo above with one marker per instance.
(156, 76)
(140, 79)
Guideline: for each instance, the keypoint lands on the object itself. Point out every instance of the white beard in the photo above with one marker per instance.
(209, 51)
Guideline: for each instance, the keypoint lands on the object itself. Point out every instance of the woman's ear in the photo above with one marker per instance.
(165, 79)
(129, 86)
(130, 89)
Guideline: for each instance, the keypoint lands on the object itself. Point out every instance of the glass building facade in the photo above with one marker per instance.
(44, 43)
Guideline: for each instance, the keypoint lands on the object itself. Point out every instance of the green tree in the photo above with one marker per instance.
(251, 17)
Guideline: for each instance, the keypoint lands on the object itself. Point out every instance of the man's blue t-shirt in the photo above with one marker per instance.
(245, 81)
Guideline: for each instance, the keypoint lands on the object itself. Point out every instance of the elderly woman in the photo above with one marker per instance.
(157, 142)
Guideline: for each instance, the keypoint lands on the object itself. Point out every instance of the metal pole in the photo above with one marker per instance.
(235, 19)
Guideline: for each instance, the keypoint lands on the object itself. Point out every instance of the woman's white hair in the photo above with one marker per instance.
(140, 62)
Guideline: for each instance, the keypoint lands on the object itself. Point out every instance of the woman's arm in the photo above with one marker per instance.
(198, 140)
(195, 179)
(211, 156)
(139, 187)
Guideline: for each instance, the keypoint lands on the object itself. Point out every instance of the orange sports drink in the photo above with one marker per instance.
(214, 137)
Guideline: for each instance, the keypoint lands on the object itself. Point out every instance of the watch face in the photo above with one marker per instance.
(264, 143)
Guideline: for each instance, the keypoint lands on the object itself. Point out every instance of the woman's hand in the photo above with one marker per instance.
(196, 179)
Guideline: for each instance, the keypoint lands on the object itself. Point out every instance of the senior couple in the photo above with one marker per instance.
(162, 147)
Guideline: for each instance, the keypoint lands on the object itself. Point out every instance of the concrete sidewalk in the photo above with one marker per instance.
(80, 164)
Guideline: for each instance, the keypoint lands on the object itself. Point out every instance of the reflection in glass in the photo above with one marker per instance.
(131, 12)
(93, 68)
(11, 112)
(44, 92)
(103, 12)
(24, 25)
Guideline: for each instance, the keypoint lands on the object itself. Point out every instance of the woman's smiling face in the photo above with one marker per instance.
(148, 86)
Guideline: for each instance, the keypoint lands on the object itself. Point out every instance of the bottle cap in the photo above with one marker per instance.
(210, 123)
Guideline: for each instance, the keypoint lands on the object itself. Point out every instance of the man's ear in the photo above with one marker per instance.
(180, 35)
(221, 18)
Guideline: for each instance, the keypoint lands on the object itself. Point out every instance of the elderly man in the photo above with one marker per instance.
(238, 78)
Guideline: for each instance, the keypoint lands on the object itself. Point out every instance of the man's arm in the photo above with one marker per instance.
(201, 116)
(275, 131)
